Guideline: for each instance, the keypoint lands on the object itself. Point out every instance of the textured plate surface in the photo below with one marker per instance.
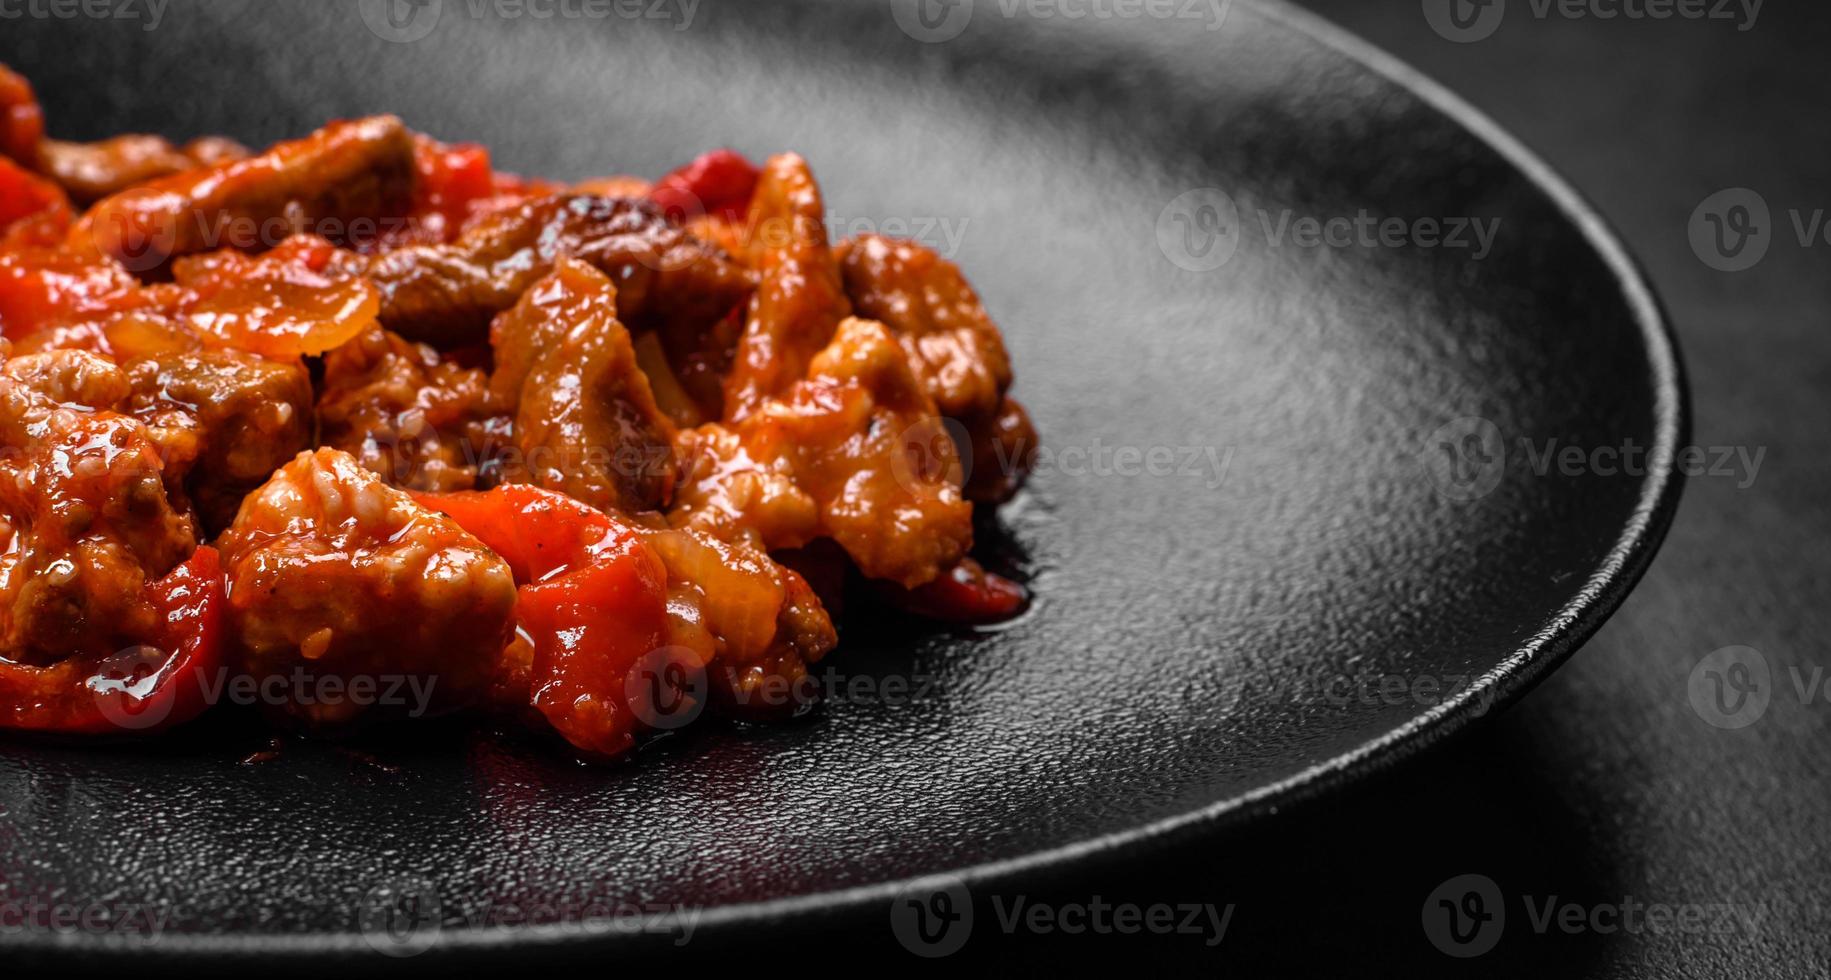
(1349, 541)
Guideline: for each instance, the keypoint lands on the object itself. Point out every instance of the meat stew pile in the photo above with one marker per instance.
(360, 409)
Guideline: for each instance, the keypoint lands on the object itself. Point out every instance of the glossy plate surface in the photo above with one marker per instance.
(1300, 513)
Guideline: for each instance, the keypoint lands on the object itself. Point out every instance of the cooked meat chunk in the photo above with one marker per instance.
(84, 511)
(225, 420)
(954, 348)
(89, 172)
(728, 492)
(333, 574)
(800, 297)
(446, 295)
(870, 449)
(755, 622)
(348, 171)
(34, 386)
(859, 438)
(586, 423)
(933, 312)
(1004, 448)
(420, 421)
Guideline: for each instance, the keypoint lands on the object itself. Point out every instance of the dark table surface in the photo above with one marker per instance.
(1605, 791)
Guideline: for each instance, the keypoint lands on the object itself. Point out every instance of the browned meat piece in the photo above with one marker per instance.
(85, 512)
(586, 423)
(225, 420)
(755, 622)
(92, 171)
(421, 422)
(871, 450)
(860, 440)
(954, 348)
(34, 386)
(348, 171)
(733, 495)
(698, 360)
(1004, 448)
(933, 312)
(800, 297)
(446, 295)
(335, 575)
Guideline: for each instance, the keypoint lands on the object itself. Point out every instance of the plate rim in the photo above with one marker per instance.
(1614, 577)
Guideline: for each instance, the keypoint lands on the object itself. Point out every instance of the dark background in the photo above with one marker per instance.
(1603, 787)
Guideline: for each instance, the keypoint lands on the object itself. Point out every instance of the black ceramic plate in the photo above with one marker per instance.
(1298, 517)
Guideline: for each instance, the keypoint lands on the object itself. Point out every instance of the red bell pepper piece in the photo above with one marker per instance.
(966, 593)
(165, 680)
(24, 194)
(22, 123)
(593, 599)
(40, 288)
(718, 183)
(450, 177)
